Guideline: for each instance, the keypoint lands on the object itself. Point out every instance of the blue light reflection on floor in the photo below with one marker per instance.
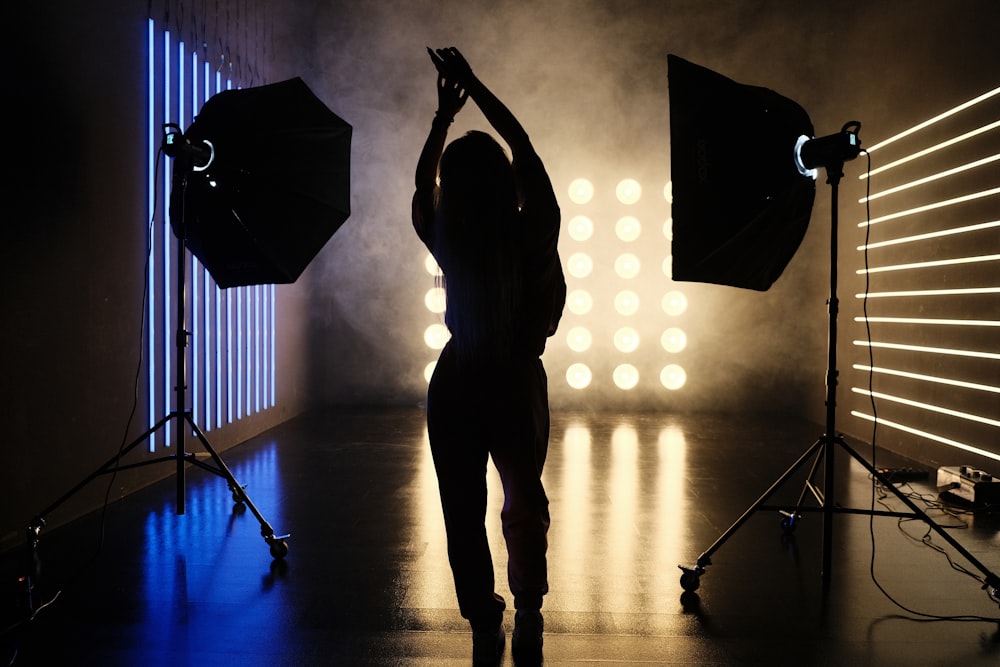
(198, 570)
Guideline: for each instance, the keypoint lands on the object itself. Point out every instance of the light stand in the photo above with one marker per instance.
(830, 153)
(191, 157)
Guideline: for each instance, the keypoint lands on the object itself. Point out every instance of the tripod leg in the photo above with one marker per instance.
(992, 580)
(108, 467)
(278, 543)
(690, 576)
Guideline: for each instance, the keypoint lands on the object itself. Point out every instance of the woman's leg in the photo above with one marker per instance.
(519, 452)
(460, 455)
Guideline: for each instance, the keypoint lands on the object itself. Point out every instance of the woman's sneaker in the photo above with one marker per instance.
(487, 647)
(526, 641)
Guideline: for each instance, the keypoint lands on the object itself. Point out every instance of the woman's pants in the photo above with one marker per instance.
(474, 414)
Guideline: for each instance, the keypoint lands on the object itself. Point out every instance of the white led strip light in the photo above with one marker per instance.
(931, 350)
(927, 378)
(928, 407)
(925, 265)
(928, 435)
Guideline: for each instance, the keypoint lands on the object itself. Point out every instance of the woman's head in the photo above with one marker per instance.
(476, 176)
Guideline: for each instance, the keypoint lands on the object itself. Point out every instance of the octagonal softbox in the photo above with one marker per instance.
(276, 189)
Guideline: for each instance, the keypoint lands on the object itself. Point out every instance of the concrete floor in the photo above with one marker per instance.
(367, 582)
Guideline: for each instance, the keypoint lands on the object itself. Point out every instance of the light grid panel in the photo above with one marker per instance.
(621, 321)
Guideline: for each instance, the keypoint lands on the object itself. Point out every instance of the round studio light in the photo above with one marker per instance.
(627, 265)
(628, 228)
(626, 339)
(626, 376)
(674, 303)
(436, 335)
(581, 191)
(581, 228)
(579, 302)
(673, 377)
(628, 191)
(626, 302)
(431, 265)
(580, 265)
(579, 376)
(673, 340)
(435, 300)
(579, 339)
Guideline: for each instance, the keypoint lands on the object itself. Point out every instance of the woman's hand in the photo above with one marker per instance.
(453, 78)
(451, 63)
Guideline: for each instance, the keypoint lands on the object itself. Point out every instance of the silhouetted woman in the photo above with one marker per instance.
(492, 225)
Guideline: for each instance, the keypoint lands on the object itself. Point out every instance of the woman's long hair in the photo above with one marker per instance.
(476, 245)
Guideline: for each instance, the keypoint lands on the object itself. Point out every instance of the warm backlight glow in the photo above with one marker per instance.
(673, 377)
(581, 191)
(579, 339)
(579, 376)
(579, 302)
(626, 376)
(627, 265)
(628, 191)
(435, 300)
(668, 192)
(580, 265)
(436, 335)
(628, 228)
(627, 339)
(673, 340)
(429, 370)
(581, 228)
(627, 302)
(674, 303)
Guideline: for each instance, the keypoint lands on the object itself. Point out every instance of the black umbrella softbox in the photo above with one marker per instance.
(276, 189)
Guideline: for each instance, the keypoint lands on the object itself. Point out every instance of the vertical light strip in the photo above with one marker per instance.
(266, 348)
(257, 349)
(239, 353)
(151, 256)
(167, 359)
(274, 365)
(211, 333)
(218, 355)
(229, 355)
(191, 265)
(247, 374)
